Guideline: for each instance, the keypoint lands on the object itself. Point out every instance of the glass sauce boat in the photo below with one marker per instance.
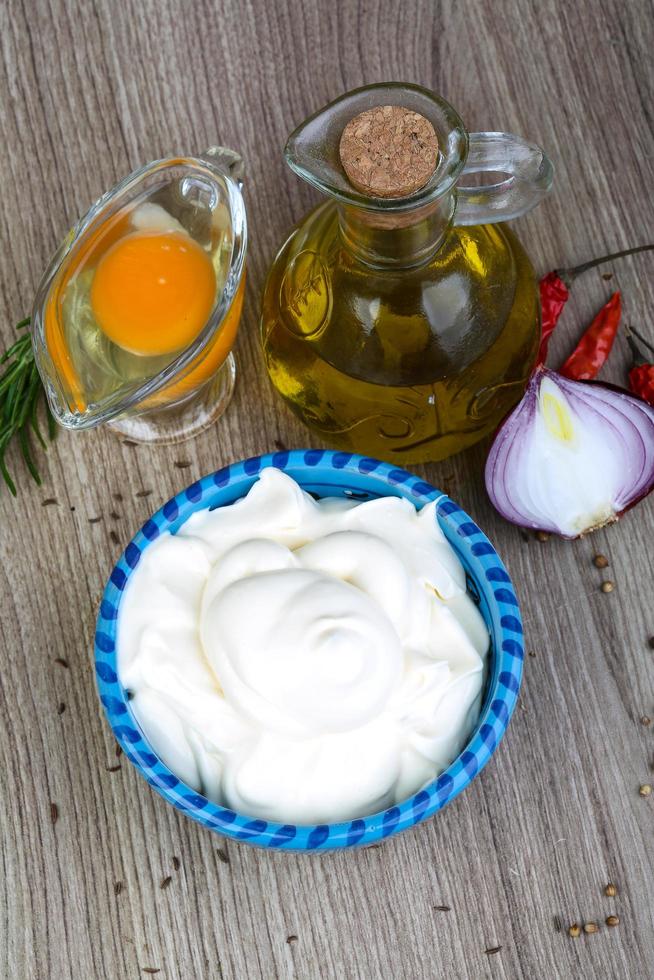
(406, 328)
(162, 393)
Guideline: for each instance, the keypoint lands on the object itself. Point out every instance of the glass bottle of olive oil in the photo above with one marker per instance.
(405, 327)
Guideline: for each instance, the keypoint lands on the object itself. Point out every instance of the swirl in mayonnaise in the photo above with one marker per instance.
(303, 661)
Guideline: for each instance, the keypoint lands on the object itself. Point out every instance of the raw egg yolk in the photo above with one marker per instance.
(153, 292)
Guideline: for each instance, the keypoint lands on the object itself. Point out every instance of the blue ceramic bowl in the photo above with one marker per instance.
(325, 474)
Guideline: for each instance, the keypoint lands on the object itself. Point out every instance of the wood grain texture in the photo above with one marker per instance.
(89, 91)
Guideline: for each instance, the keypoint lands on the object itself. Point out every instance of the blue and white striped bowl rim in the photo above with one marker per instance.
(325, 473)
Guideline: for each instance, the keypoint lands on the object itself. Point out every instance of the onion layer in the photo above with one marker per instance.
(572, 456)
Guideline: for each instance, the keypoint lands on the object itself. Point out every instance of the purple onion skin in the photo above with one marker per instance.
(530, 393)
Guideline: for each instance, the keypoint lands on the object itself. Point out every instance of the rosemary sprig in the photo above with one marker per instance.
(20, 394)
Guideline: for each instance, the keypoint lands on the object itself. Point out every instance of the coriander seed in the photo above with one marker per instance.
(613, 920)
(610, 891)
(542, 536)
(645, 720)
(607, 586)
(574, 930)
(590, 928)
(645, 789)
(600, 561)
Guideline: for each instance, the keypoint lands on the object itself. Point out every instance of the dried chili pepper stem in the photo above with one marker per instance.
(568, 276)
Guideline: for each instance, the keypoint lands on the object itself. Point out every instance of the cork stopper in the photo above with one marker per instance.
(389, 151)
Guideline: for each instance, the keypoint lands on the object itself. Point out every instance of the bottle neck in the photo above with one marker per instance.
(398, 239)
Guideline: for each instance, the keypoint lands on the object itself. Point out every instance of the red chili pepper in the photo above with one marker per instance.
(554, 293)
(641, 375)
(596, 342)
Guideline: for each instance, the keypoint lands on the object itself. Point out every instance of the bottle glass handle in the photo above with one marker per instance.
(526, 178)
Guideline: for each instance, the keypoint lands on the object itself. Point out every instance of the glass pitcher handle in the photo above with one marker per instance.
(527, 178)
(228, 160)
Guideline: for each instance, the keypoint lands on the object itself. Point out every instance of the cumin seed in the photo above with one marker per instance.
(61, 707)
(492, 950)
(114, 516)
(61, 662)
(143, 493)
(182, 464)
(291, 939)
(176, 862)
(114, 537)
(113, 768)
(443, 908)
(222, 854)
(165, 882)
(48, 502)
(118, 887)
(54, 813)
(94, 520)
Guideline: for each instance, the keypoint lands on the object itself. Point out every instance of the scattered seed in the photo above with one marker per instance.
(600, 561)
(119, 751)
(54, 813)
(574, 930)
(590, 928)
(607, 586)
(610, 891)
(48, 502)
(645, 789)
(443, 908)
(557, 924)
(279, 445)
(493, 949)
(607, 275)
(61, 707)
(182, 464)
(61, 662)
(151, 969)
(118, 887)
(532, 653)
(542, 536)
(291, 939)
(118, 496)
(94, 520)
(176, 862)
(114, 516)
(114, 537)
(613, 920)
(72, 509)
(165, 882)
(143, 493)
(222, 855)
(113, 768)
(645, 720)
(129, 442)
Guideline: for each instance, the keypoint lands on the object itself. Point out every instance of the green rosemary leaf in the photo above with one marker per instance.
(34, 419)
(23, 440)
(24, 323)
(3, 469)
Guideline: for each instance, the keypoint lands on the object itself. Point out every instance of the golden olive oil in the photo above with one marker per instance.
(409, 363)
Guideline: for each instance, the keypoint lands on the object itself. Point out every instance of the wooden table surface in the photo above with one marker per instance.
(89, 91)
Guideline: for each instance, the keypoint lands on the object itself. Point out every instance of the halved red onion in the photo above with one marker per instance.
(572, 456)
